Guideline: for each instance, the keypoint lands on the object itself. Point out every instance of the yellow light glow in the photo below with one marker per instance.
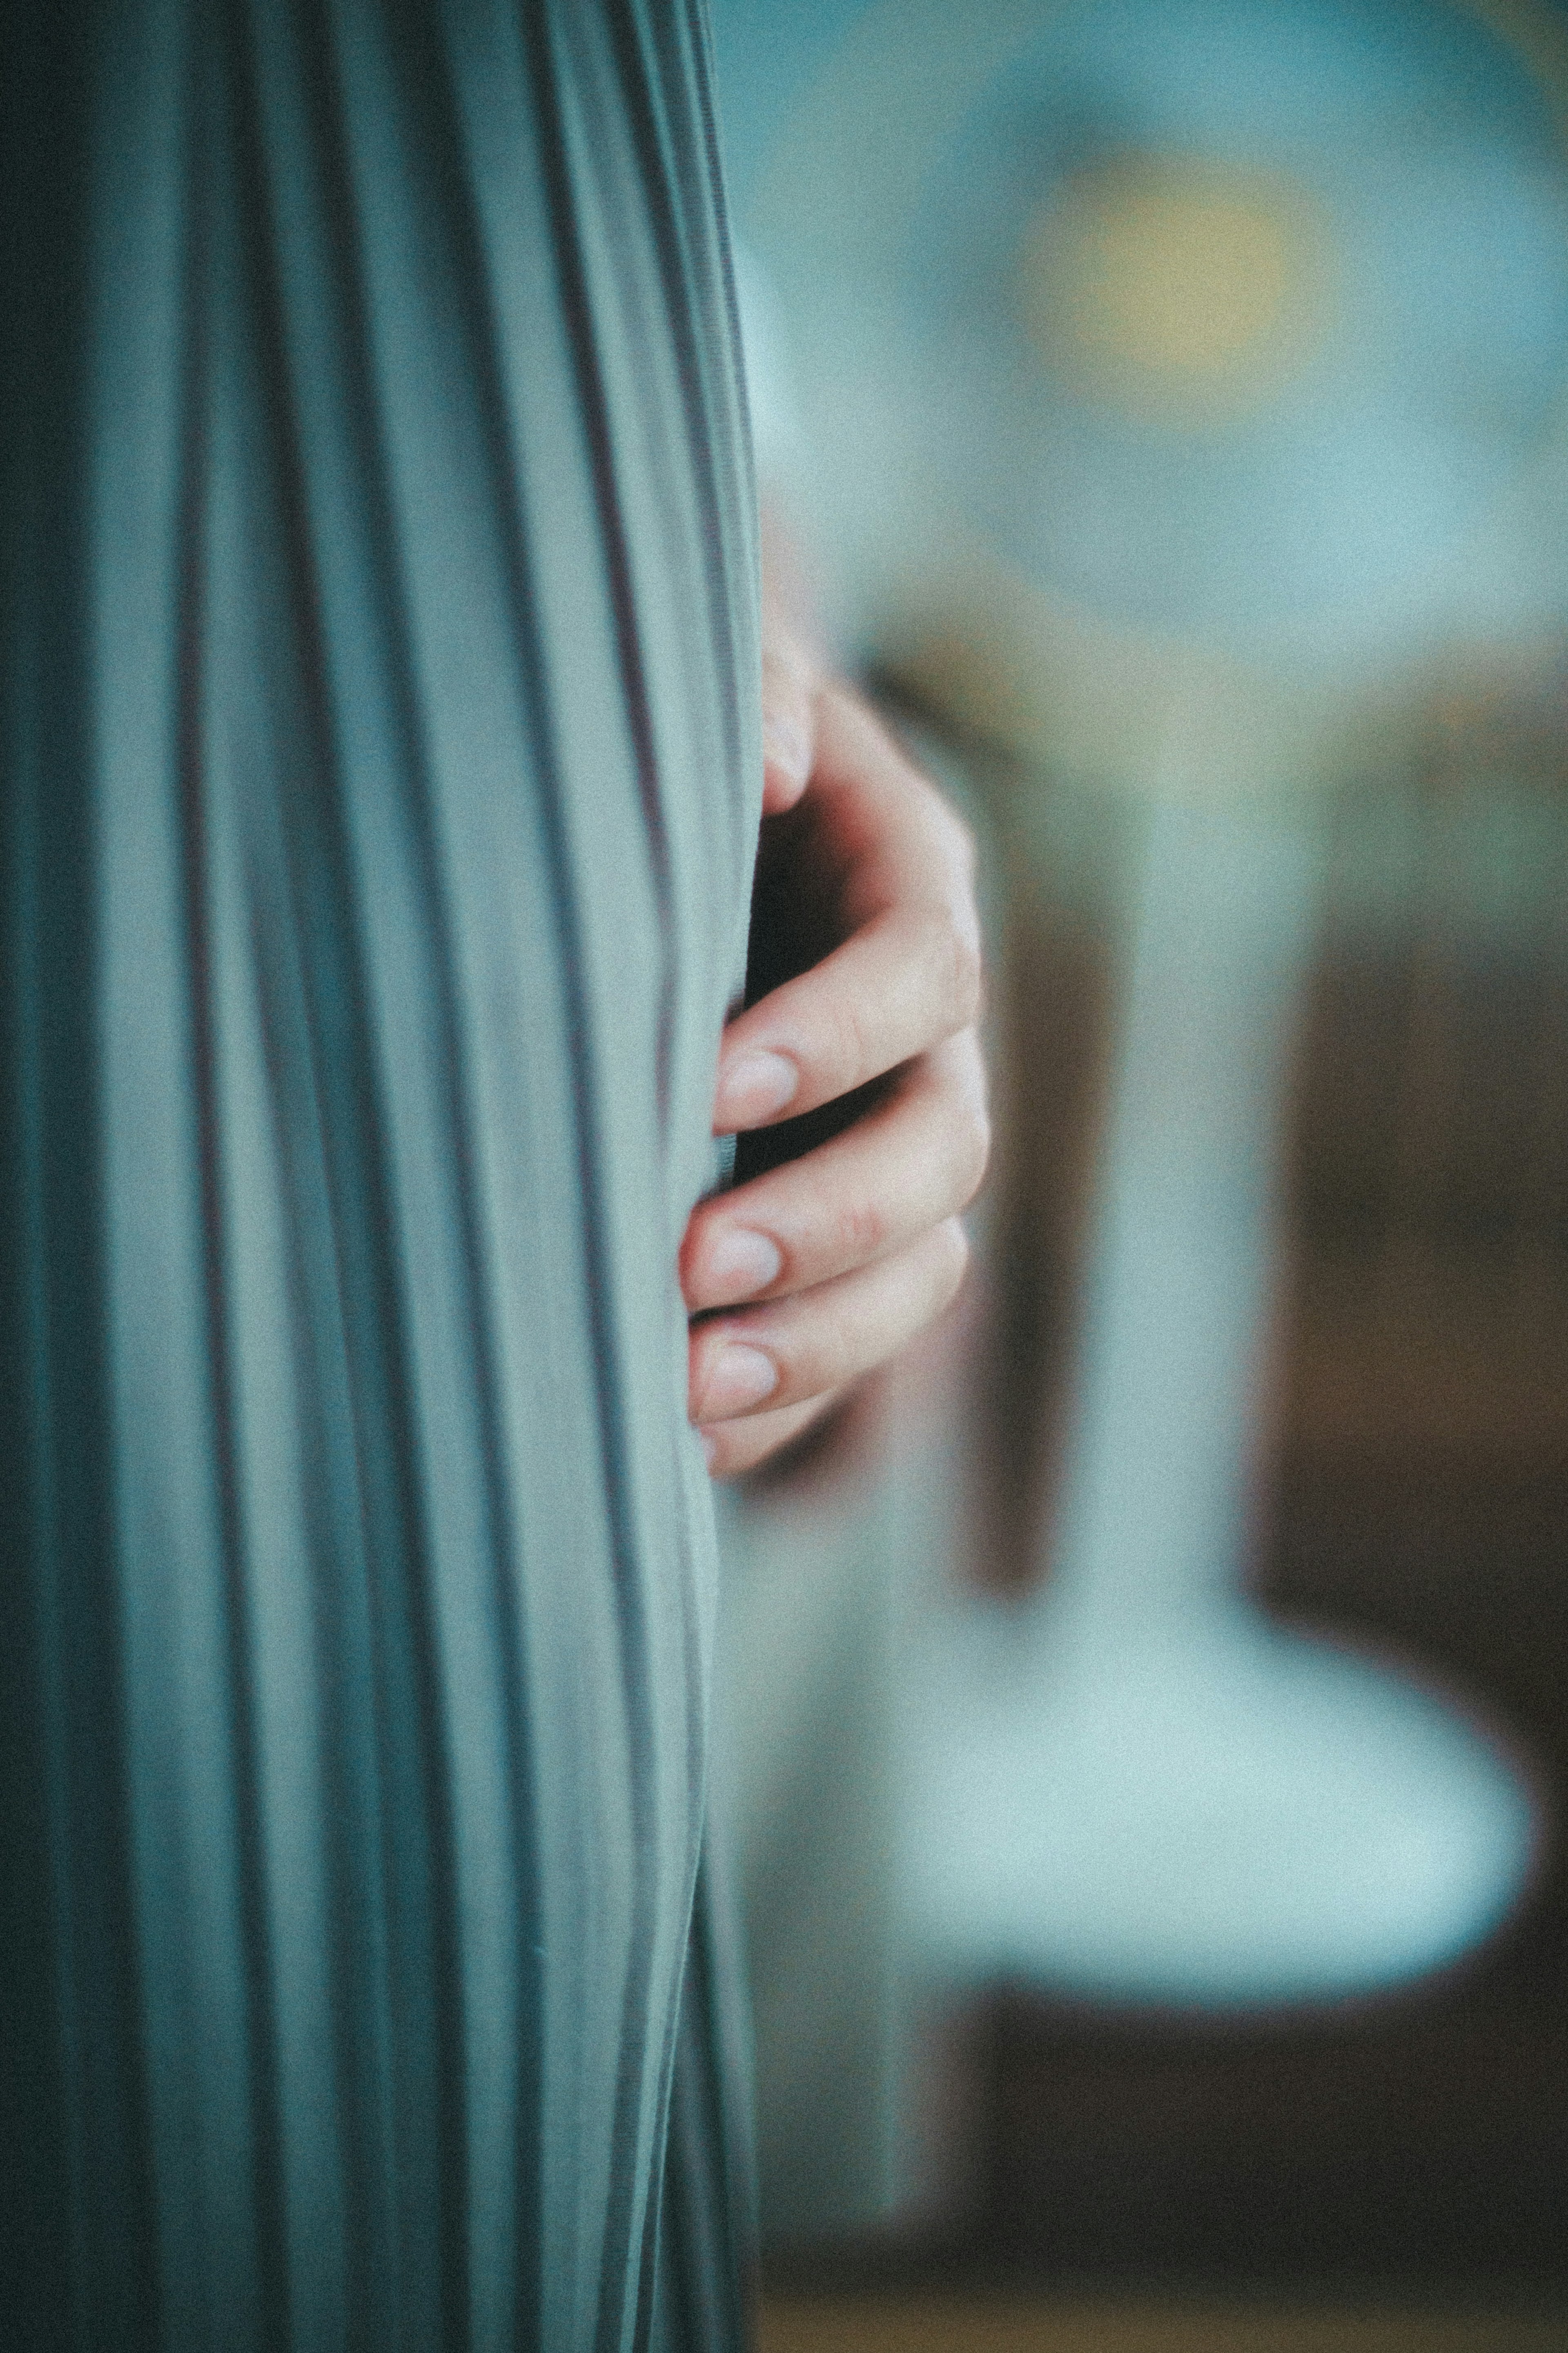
(1176, 287)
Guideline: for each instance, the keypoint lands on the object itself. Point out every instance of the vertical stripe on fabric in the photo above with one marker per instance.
(380, 778)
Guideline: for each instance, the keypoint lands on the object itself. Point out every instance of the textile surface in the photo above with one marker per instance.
(380, 787)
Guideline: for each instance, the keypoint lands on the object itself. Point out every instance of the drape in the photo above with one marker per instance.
(379, 791)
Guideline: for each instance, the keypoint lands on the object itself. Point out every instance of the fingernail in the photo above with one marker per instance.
(787, 746)
(754, 1088)
(740, 1378)
(739, 1264)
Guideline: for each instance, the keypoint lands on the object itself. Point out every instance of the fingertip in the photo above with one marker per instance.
(787, 755)
(737, 1263)
(780, 794)
(752, 1088)
(731, 1377)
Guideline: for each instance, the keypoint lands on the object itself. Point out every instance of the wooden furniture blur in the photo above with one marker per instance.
(1414, 1497)
(1014, 2325)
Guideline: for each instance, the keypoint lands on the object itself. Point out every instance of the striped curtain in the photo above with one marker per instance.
(379, 789)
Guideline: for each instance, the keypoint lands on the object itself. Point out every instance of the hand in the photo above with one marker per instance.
(853, 1080)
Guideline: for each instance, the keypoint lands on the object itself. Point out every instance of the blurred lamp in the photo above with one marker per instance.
(1188, 369)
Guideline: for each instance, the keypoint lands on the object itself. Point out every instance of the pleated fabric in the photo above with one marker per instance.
(380, 786)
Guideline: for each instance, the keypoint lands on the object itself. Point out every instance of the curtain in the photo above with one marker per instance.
(379, 791)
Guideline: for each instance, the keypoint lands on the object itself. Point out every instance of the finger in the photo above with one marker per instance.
(782, 1353)
(908, 975)
(789, 693)
(734, 1448)
(900, 986)
(915, 1159)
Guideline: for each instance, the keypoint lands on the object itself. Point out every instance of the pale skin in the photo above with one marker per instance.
(826, 1266)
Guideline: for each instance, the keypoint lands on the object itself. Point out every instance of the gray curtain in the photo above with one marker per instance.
(379, 793)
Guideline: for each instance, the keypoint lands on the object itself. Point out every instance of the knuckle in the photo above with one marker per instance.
(827, 1341)
(954, 843)
(975, 1152)
(952, 1259)
(962, 969)
(862, 1231)
(960, 845)
(847, 1056)
(969, 971)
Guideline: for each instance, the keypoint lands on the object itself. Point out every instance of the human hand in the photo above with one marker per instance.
(854, 1079)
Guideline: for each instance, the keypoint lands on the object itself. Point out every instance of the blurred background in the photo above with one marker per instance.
(1147, 1748)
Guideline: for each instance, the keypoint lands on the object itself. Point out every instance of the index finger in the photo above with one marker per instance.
(908, 975)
